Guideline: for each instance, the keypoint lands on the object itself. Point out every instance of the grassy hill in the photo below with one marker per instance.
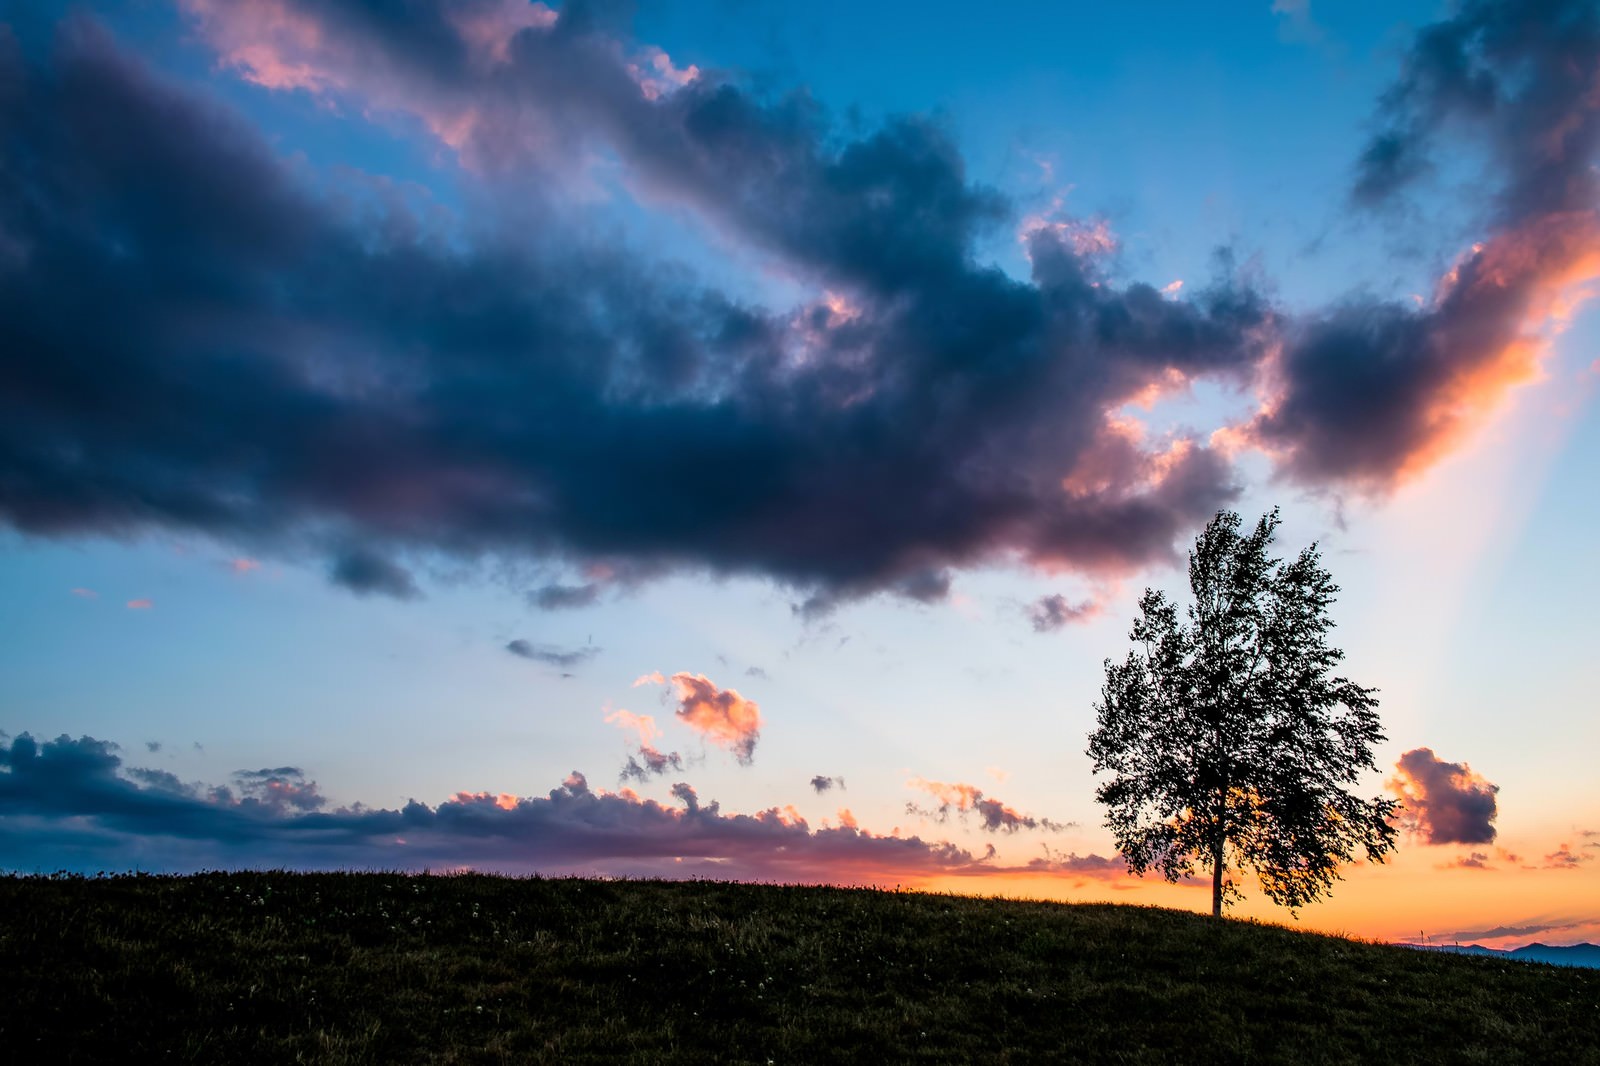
(280, 967)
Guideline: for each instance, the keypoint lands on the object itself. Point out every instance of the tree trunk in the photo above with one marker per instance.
(1216, 876)
(1219, 845)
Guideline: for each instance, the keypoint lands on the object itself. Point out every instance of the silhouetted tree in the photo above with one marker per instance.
(1230, 742)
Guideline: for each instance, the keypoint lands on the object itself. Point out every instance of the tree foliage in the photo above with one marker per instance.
(1230, 742)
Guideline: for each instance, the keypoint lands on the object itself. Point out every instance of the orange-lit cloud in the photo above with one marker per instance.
(1444, 802)
(506, 801)
(243, 565)
(721, 715)
(652, 678)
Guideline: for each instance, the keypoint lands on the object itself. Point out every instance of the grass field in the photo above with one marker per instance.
(381, 968)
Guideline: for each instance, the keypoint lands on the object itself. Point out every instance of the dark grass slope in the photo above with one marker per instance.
(278, 967)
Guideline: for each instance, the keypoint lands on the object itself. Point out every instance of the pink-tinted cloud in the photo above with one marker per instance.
(720, 715)
(642, 725)
(243, 565)
(140, 605)
(652, 678)
(994, 816)
(1444, 802)
(85, 594)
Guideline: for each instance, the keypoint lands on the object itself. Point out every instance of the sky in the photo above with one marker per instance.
(727, 439)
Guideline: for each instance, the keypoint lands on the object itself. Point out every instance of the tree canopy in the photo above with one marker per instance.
(1230, 742)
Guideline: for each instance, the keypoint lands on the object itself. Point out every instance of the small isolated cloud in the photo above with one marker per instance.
(1444, 802)
(1477, 860)
(563, 597)
(652, 678)
(822, 784)
(995, 816)
(141, 605)
(86, 594)
(721, 715)
(550, 654)
(243, 565)
(368, 574)
(1564, 858)
(757, 673)
(1050, 613)
(152, 746)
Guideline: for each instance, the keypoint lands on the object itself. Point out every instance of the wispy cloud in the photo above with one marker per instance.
(1564, 858)
(551, 654)
(993, 815)
(564, 597)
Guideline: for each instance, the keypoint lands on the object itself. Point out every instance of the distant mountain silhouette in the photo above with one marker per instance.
(1574, 955)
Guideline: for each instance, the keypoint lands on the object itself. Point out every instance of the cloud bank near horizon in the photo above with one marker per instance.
(316, 370)
(75, 805)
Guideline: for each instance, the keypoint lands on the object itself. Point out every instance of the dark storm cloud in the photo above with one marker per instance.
(71, 804)
(550, 654)
(1370, 390)
(1445, 802)
(306, 370)
(264, 363)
